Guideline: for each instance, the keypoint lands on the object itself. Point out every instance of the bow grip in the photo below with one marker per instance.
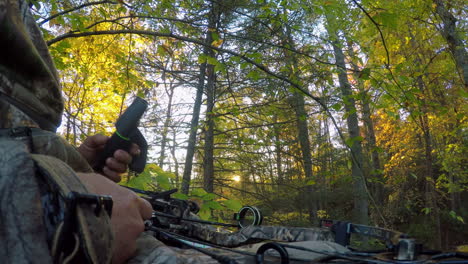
(125, 134)
(139, 162)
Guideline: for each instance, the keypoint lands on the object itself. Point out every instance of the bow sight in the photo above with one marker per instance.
(173, 211)
(175, 222)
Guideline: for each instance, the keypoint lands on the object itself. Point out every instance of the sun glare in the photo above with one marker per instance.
(236, 178)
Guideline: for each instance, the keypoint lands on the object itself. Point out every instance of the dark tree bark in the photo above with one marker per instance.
(208, 158)
(455, 42)
(430, 189)
(361, 203)
(376, 168)
(206, 70)
(194, 124)
(424, 124)
(297, 102)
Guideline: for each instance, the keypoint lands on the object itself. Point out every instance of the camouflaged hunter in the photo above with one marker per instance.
(43, 218)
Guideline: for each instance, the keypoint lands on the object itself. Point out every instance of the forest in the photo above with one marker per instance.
(307, 109)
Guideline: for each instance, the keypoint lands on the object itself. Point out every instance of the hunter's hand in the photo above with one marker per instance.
(116, 165)
(128, 214)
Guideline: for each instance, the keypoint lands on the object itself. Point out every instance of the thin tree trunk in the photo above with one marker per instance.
(303, 136)
(455, 42)
(376, 172)
(194, 124)
(431, 195)
(174, 159)
(430, 191)
(167, 122)
(322, 161)
(208, 158)
(298, 104)
(361, 203)
(243, 175)
(68, 131)
(279, 164)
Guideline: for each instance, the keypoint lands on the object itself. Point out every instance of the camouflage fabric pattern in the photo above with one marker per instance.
(302, 255)
(248, 239)
(27, 73)
(246, 235)
(153, 251)
(24, 180)
(48, 143)
(251, 234)
(94, 231)
(30, 96)
(19, 196)
(10, 116)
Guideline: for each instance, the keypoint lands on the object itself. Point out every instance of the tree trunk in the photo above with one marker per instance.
(167, 122)
(279, 165)
(361, 206)
(298, 104)
(174, 159)
(430, 191)
(194, 124)
(455, 42)
(208, 158)
(430, 188)
(376, 172)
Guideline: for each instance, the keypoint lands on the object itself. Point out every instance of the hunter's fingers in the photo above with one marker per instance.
(135, 150)
(122, 156)
(145, 209)
(111, 174)
(116, 165)
(96, 141)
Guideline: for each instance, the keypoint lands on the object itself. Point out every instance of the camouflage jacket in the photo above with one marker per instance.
(37, 167)
(30, 93)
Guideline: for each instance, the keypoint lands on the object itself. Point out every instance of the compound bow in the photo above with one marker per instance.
(175, 222)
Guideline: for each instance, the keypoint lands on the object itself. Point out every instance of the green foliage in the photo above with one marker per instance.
(311, 182)
(155, 179)
(456, 217)
(233, 205)
(350, 141)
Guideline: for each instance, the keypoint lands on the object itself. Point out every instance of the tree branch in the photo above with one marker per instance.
(378, 28)
(191, 40)
(74, 9)
(261, 67)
